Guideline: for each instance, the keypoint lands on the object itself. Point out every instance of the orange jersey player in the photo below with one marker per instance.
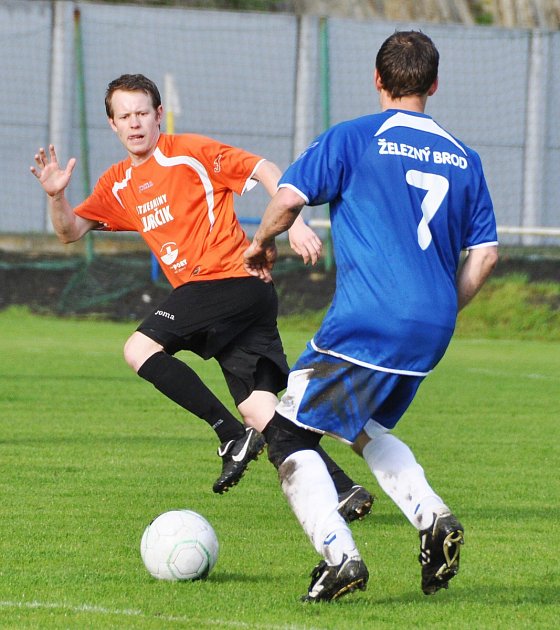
(181, 202)
(177, 192)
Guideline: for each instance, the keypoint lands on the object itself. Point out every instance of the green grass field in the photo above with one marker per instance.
(90, 453)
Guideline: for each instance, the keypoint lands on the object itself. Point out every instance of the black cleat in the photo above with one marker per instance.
(354, 503)
(236, 455)
(332, 582)
(440, 546)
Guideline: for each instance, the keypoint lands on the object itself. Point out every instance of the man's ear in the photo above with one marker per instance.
(159, 113)
(433, 88)
(112, 124)
(377, 80)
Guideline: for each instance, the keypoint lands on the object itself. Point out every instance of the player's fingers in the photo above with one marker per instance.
(261, 273)
(40, 157)
(70, 166)
(311, 252)
(251, 267)
(265, 274)
(297, 249)
(317, 252)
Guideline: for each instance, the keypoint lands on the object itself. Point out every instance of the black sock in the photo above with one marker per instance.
(341, 480)
(181, 384)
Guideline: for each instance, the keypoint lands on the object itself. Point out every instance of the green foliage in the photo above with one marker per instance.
(512, 307)
(482, 12)
(226, 5)
(90, 453)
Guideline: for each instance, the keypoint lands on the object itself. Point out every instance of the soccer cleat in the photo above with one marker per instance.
(236, 455)
(440, 546)
(354, 503)
(332, 582)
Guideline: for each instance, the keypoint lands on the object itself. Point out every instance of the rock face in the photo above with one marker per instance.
(507, 13)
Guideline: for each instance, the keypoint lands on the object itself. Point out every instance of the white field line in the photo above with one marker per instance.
(100, 610)
(530, 376)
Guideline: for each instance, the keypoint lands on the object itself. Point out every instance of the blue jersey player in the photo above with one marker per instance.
(406, 198)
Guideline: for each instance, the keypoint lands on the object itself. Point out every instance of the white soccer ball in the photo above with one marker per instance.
(179, 545)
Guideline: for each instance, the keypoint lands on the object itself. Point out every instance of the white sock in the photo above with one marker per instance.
(310, 491)
(402, 478)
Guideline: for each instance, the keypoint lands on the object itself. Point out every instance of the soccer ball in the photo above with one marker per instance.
(179, 545)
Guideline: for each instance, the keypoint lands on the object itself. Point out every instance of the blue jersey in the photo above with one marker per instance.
(405, 198)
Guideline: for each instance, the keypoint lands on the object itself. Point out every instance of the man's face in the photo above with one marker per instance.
(136, 123)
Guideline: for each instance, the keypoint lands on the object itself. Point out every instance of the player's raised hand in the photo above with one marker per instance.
(51, 176)
(259, 259)
(305, 242)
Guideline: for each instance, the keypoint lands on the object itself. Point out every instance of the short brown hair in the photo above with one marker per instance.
(131, 83)
(407, 63)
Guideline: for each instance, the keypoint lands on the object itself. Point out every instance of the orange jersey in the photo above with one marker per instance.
(181, 203)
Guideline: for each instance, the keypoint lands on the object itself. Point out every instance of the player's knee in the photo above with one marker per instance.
(138, 348)
(128, 353)
(257, 409)
(132, 354)
(285, 438)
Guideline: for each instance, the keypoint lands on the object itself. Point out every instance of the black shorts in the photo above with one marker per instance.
(233, 321)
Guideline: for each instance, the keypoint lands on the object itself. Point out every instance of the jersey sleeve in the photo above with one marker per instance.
(231, 167)
(102, 206)
(482, 230)
(317, 174)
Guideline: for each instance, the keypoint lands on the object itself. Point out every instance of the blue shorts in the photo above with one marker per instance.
(330, 395)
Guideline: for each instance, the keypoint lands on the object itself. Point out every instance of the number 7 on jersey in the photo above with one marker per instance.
(436, 187)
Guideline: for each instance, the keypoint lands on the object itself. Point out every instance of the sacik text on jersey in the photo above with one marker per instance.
(158, 213)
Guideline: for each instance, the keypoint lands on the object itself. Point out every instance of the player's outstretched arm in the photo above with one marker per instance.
(268, 174)
(476, 268)
(278, 217)
(303, 239)
(68, 226)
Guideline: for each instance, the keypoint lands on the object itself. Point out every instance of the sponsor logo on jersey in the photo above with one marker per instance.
(165, 314)
(170, 253)
(145, 186)
(179, 265)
